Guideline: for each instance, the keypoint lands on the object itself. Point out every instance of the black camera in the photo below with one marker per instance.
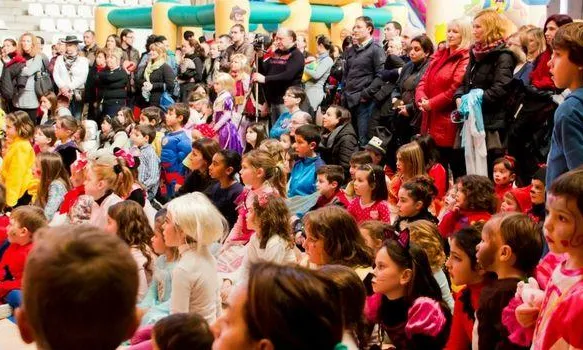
(260, 42)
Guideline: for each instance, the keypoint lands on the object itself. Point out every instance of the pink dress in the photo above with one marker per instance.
(377, 210)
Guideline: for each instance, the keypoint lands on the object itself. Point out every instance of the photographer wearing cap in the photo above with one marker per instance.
(280, 71)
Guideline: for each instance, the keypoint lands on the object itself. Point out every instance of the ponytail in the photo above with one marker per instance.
(273, 169)
(124, 179)
(277, 178)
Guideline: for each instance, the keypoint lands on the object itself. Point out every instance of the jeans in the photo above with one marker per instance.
(361, 115)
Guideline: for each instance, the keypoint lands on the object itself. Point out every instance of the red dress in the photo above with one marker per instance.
(378, 210)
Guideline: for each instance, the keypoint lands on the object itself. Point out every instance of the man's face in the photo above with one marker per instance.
(390, 31)
(129, 39)
(71, 49)
(237, 35)
(88, 39)
(224, 42)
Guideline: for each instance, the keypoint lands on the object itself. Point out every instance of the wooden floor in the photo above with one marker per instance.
(10, 338)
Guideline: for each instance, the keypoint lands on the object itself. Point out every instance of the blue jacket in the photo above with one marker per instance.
(281, 125)
(302, 181)
(567, 140)
(175, 147)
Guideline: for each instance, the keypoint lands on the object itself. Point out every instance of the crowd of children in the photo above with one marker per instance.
(180, 230)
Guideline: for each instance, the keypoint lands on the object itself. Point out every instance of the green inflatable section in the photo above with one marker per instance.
(267, 13)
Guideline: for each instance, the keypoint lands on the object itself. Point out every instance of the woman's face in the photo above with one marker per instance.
(112, 62)
(393, 49)
(315, 248)
(172, 234)
(7, 47)
(110, 43)
(100, 60)
(45, 103)
(230, 329)
(454, 36)
(289, 100)
(330, 120)
(26, 43)
(416, 53)
(389, 278)
(154, 55)
(197, 160)
(550, 31)
(532, 47)
(478, 30)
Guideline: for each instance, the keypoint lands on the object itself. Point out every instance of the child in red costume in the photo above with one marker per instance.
(24, 221)
(504, 176)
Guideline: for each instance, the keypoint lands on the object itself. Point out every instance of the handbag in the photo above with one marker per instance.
(42, 81)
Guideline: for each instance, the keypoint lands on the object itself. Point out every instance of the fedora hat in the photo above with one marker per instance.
(70, 39)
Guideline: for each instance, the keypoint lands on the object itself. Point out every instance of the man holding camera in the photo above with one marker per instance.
(280, 71)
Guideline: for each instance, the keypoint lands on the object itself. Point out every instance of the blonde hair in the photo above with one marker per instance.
(242, 61)
(539, 37)
(160, 49)
(275, 149)
(196, 216)
(465, 29)
(35, 47)
(495, 25)
(226, 81)
(119, 182)
(411, 155)
(425, 234)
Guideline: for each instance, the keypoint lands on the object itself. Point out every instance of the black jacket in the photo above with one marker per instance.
(363, 64)
(416, 70)
(282, 70)
(493, 74)
(338, 146)
(192, 73)
(10, 72)
(111, 85)
(161, 78)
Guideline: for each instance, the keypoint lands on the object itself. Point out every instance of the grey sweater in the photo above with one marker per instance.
(26, 97)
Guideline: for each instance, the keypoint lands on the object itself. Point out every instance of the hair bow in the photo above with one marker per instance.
(402, 237)
(510, 160)
(80, 163)
(129, 159)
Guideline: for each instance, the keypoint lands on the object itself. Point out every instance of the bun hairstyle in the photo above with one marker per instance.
(421, 188)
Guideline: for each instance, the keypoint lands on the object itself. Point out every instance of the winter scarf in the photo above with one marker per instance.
(480, 50)
(152, 66)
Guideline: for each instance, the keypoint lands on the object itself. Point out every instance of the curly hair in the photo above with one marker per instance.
(426, 235)
(479, 192)
(133, 227)
(272, 216)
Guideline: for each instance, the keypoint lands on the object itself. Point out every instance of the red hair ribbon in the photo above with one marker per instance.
(80, 163)
(510, 160)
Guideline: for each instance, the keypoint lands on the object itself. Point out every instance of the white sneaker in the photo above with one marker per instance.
(5, 311)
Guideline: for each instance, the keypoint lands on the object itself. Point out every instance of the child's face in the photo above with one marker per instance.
(407, 206)
(460, 196)
(450, 197)
(459, 266)
(196, 105)
(11, 132)
(105, 127)
(324, 187)
(249, 174)
(218, 87)
(509, 204)
(353, 169)
(158, 241)
(537, 192)
(18, 234)
(564, 72)
(144, 120)
(302, 147)
(373, 244)
(487, 250)
(62, 134)
(171, 119)
(172, 235)
(285, 141)
(401, 168)
(218, 169)
(361, 185)
(137, 138)
(231, 327)
(197, 160)
(77, 178)
(502, 176)
(93, 186)
(40, 139)
(251, 218)
(121, 117)
(251, 136)
(563, 224)
(111, 226)
(389, 278)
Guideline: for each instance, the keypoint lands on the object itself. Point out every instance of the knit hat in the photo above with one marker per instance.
(522, 198)
(541, 174)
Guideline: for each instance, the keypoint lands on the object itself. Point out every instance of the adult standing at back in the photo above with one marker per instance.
(391, 30)
(364, 61)
(280, 71)
(491, 69)
(90, 49)
(130, 58)
(25, 98)
(434, 94)
(318, 72)
(239, 44)
(70, 75)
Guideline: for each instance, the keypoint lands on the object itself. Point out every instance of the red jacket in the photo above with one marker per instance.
(12, 267)
(540, 77)
(457, 219)
(460, 336)
(442, 78)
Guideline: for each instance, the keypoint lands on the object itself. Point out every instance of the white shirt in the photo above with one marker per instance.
(76, 78)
